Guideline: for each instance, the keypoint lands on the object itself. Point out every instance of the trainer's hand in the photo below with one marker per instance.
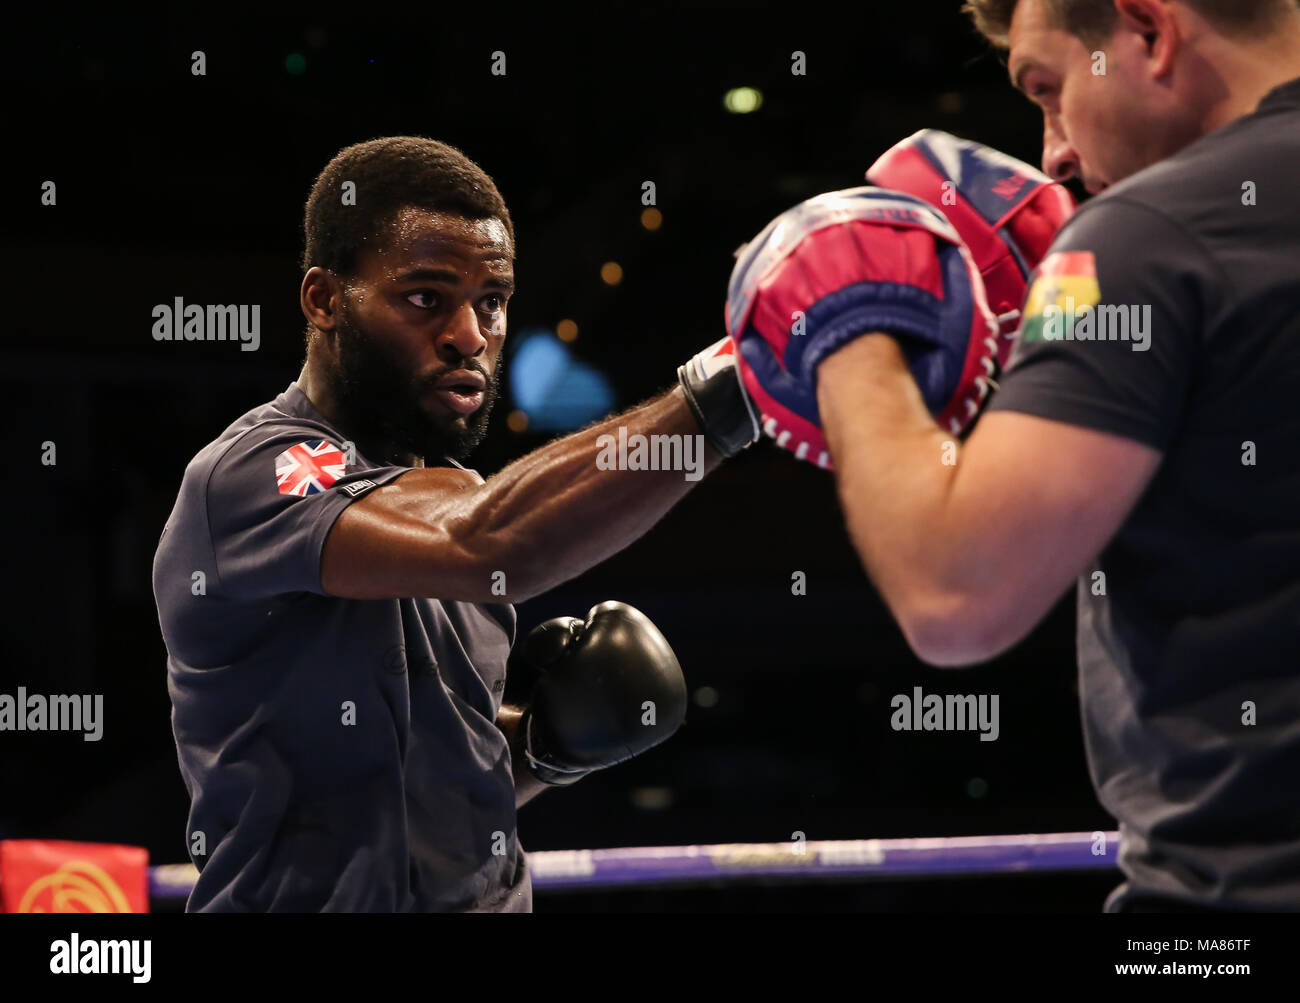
(850, 263)
(610, 688)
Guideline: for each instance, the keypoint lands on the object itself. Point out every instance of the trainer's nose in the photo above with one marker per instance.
(1060, 161)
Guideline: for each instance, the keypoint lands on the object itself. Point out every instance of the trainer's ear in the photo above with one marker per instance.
(1156, 26)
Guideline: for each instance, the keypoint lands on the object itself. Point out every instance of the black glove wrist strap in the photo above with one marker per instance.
(547, 773)
(720, 405)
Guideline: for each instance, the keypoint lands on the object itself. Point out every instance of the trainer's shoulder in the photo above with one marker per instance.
(1202, 188)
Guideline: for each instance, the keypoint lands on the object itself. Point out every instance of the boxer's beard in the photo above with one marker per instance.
(379, 400)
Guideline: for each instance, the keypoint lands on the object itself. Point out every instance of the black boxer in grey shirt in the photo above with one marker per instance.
(335, 589)
(324, 741)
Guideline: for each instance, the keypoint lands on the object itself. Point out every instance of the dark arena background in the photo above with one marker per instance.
(175, 185)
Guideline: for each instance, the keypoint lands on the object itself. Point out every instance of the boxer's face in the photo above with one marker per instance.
(420, 333)
(1108, 111)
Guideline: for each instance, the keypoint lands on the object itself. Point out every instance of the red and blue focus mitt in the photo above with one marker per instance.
(1004, 214)
(842, 265)
(1007, 212)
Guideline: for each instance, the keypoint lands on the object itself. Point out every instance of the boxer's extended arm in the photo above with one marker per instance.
(544, 519)
(969, 555)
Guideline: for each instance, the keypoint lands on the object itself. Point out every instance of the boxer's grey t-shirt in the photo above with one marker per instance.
(1189, 646)
(340, 754)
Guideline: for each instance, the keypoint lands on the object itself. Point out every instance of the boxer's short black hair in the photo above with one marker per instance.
(1093, 21)
(391, 174)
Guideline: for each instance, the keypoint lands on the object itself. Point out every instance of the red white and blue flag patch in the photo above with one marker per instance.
(309, 467)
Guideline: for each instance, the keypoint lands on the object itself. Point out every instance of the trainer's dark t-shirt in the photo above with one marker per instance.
(1189, 639)
(340, 754)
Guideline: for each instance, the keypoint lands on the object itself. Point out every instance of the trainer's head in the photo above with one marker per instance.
(409, 264)
(1125, 83)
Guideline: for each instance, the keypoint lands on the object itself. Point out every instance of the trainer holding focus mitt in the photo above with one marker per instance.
(1143, 443)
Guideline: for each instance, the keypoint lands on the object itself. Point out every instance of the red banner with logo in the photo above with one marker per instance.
(51, 875)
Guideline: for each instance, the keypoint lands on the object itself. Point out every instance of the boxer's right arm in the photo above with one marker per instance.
(544, 519)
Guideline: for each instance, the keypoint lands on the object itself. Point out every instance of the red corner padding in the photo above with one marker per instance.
(51, 875)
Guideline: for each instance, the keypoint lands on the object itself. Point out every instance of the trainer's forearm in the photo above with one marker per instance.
(558, 511)
(896, 471)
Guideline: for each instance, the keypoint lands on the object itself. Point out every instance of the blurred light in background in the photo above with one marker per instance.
(652, 219)
(567, 330)
(951, 103)
(652, 798)
(742, 100)
(611, 273)
(555, 392)
(295, 63)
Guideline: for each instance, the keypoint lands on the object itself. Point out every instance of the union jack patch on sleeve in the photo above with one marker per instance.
(309, 467)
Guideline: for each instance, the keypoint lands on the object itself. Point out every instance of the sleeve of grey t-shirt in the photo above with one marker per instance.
(1125, 369)
(272, 498)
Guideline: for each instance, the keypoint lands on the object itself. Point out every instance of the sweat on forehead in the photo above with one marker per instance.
(413, 230)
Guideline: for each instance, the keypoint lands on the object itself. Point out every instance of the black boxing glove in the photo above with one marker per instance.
(609, 689)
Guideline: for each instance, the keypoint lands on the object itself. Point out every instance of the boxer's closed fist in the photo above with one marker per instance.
(610, 688)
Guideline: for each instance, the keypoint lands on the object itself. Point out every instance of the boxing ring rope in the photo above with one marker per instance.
(627, 867)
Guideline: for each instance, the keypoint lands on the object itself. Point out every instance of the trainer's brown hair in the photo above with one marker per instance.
(1093, 21)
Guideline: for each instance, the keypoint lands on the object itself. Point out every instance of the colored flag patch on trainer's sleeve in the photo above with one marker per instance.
(1066, 283)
